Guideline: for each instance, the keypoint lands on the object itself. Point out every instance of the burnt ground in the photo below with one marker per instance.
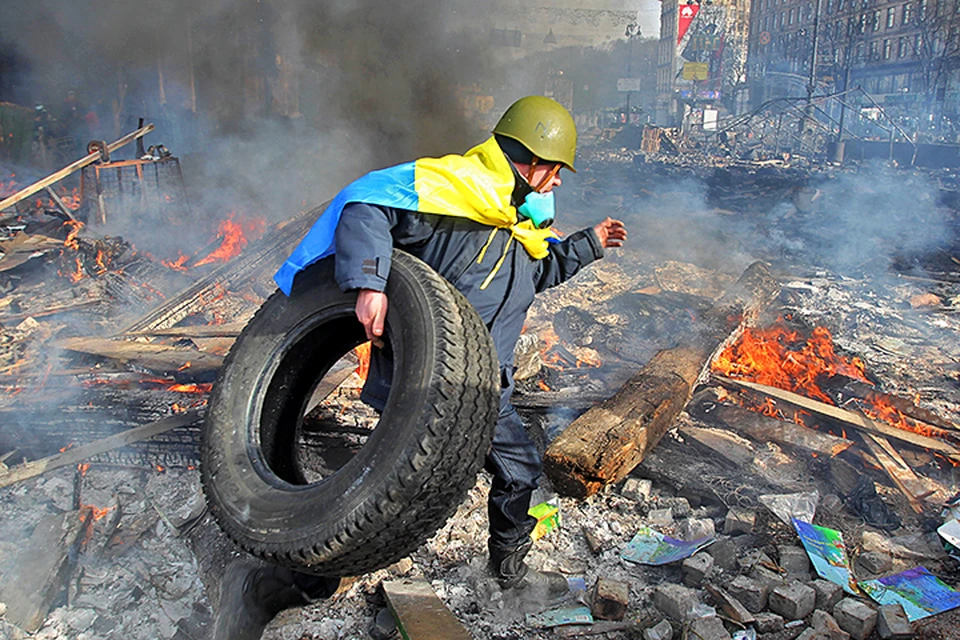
(860, 250)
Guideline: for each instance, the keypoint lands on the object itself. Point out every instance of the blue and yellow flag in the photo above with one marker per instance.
(477, 185)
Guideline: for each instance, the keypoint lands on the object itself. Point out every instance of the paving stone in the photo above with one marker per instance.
(660, 516)
(826, 625)
(680, 506)
(892, 623)
(828, 594)
(739, 521)
(609, 599)
(636, 489)
(696, 568)
(809, 634)
(794, 600)
(794, 559)
(767, 577)
(855, 617)
(675, 601)
(768, 622)
(724, 552)
(660, 631)
(697, 529)
(874, 563)
(750, 593)
(710, 628)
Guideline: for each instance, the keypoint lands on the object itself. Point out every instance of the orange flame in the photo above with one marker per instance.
(780, 357)
(543, 385)
(177, 265)
(71, 241)
(363, 356)
(233, 236)
(205, 387)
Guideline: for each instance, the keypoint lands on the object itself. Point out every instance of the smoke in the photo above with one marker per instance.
(272, 106)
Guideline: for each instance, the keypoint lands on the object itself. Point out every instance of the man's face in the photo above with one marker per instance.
(545, 177)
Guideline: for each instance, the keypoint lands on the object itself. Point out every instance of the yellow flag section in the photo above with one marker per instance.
(477, 185)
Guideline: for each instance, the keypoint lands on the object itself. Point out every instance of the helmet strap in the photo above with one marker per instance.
(547, 180)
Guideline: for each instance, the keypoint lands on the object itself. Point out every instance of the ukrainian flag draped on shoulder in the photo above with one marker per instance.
(477, 185)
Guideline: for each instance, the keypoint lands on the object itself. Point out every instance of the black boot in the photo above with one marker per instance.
(511, 572)
(252, 595)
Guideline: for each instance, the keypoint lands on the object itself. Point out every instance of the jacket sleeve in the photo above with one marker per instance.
(567, 257)
(364, 245)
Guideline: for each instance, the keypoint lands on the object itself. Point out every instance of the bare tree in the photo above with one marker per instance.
(936, 45)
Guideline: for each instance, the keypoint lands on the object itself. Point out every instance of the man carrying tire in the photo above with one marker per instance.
(482, 221)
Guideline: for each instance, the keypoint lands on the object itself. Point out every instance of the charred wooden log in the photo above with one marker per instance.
(610, 439)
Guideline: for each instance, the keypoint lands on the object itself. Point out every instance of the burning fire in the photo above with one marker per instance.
(781, 357)
(363, 356)
(177, 265)
(233, 235)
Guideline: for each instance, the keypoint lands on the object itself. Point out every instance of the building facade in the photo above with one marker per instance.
(904, 54)
(702, 57)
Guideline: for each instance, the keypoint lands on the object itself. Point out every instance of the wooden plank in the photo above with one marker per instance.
(50, 311)
(42, 568)
(763, 429)
(604, 444)
(230, 330)
(73, 167)
(60, 203)
(420, 614)
(75, 455)
(729, 446)
(914, 487)
(848, 417)
(156, 357)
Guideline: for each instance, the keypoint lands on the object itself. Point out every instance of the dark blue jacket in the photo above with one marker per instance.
(451, 245)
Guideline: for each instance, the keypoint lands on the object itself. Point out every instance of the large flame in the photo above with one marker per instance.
(781, 357)
(234, 235)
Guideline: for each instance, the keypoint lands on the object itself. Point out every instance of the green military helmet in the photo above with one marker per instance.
(543, 126)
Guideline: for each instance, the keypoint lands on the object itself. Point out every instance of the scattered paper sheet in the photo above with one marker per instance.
(560, 617)
(920, 592)
(652, 547)
(827, 553)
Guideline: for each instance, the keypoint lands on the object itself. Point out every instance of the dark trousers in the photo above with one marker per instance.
(515, 464)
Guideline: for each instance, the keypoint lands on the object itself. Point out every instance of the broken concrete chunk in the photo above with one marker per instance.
(420, 613)
(730, 606)
(751, 593)
(697, 528)
(675, 601)
(660, 631)
(768, 622)
(855, 617)
(636, 489)
(892, 623)
(696, 568)
(794, 559)
(793, 600)
(828, 594)
(660, 517)
(609, 599)
(724, 552)
(709, 628)
(874, 563)
(739, 521)
(826, 626)
(594, 541)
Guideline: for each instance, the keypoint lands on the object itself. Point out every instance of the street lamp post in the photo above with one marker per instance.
(812, 83)
(632, 31)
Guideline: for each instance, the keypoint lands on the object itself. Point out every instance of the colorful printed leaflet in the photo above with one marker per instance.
(920, 592)
(827, 553)
(652, 547)
(560, 617)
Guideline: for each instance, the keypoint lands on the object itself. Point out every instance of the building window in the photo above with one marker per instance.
(829, 6)
(922, 9)
(790, 17)
(886, 49)
(918, 44)
(891, 17)
(907, 14)
(505, 37)
(840, 4)
(874, 50)
(901, 47)
(876, 21)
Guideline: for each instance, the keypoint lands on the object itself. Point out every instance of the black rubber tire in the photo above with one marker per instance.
(416, 466)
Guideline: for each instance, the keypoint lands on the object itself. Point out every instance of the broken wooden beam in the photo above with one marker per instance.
(156, 357)
(604, 444)
(849, 417)
(420, 614)
(42, 568)
(229, 330)
(75, 455)
(766, 429)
